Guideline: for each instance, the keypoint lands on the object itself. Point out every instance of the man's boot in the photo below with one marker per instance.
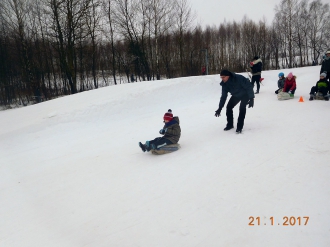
(228, 127)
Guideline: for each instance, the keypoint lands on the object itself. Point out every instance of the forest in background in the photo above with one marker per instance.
(51, 48)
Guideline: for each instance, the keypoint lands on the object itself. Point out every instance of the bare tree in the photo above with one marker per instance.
(159, 15)
(132, 23)
(16, 14)
(183, 17)
(286, 15)
(274, 46)
(110, 32)
(319, 17)
(301, 27)
(67, 18)
(93, 17)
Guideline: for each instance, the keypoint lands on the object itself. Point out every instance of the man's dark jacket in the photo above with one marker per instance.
(238, 85)
(326, 66)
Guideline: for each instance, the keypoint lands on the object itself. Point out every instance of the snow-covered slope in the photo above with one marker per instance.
(72, 173)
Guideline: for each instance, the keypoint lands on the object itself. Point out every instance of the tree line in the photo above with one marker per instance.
(51, 48)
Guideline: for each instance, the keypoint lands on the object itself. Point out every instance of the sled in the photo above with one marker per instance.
(284, 96)
(318, 96)
(166, 149)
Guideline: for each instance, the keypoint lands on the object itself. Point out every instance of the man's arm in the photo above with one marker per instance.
(223, 97)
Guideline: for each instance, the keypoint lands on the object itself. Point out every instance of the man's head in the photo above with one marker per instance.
(323, 75)
(256, 58)
(225, 74)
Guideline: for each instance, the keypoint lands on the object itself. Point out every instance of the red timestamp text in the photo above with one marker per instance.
(285, 221)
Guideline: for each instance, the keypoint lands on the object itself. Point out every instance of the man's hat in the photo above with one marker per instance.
(225, 72)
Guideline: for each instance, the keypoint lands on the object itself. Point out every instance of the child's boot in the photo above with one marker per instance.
(142, 146)
(311, 97)
(148, 146)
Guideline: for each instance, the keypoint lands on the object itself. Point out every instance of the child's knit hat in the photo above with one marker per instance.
(168, 115)
(323, 75)
(290, 75)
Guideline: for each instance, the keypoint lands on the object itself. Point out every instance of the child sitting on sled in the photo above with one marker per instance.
(280, 82)
(171, 134)
(290, 84)
(321, 86)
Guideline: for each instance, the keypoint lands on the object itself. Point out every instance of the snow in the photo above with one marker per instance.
(72, 173)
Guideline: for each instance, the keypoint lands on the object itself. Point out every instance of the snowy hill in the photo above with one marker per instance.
(73, 175)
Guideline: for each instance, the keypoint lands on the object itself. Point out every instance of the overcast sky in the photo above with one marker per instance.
(214, 12)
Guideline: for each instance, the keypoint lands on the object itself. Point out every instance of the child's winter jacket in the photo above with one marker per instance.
(290, 85)
(172, 130)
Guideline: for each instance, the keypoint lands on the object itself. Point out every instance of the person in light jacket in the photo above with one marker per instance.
(256, 67)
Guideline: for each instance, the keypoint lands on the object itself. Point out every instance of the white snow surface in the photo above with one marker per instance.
(72, 173)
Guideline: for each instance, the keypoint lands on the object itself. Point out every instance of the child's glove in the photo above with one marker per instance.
(217, 112)
(162, 131)
(290, 92)
(251, 103)
(251, 64)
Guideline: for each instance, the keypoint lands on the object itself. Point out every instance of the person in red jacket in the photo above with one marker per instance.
(290, 84)
(203, 70)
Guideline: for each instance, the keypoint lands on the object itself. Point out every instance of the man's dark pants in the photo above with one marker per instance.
(242, 111)
(256, 79)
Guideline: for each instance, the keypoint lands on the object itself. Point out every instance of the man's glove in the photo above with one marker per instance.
(162, 131)
(217, 112)
(251, 103)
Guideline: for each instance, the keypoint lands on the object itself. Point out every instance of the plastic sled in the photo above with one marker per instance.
(284, 96)
(319, 96)
(166, 149)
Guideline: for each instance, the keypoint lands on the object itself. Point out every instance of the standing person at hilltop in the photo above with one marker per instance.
(256, 67)
(242, 91)
(325, 67)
